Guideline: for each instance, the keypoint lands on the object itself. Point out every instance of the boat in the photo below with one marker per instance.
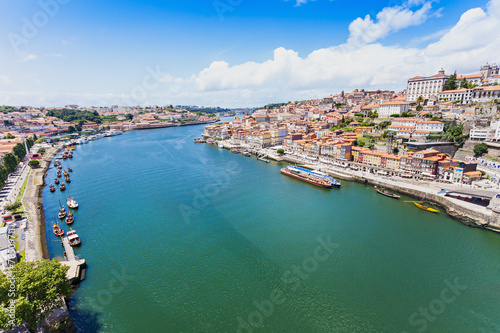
(73, 238)
(62, 187)
(70, 155)
(387, 194)
(65, 156)
(220, 145)
(422, 205)
(246, 153)
(57, 230)
(310, 176)
(70, 219)
(235, 151)
(62, 213)
(211, 141)
(58, 174)
(71, 203)
(199, 140)
(52, 188)
(67, 179)
(70, 170)
(56, 181)
(59, 166)
(263, 159)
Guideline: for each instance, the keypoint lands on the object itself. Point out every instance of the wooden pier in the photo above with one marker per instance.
(77, 267)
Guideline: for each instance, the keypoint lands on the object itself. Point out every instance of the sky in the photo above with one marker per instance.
(233, 53)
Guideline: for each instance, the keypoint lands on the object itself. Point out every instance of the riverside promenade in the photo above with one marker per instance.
(36, 248)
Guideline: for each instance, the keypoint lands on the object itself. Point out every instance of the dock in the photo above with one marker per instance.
(77, 267)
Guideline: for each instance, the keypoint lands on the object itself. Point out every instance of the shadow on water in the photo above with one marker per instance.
(85, 321)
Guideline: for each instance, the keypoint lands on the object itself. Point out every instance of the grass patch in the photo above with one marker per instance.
(22, 255)
(23, 188)
(16, 244)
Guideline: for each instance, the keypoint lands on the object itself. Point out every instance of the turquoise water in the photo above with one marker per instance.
(185, 237)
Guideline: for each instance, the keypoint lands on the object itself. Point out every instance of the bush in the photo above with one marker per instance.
(281, 151)
(13, 207)
(41, 151)
(480, 149)
(34, 163)
(359, 114)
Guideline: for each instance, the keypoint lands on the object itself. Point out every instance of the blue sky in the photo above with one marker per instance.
(232, 53)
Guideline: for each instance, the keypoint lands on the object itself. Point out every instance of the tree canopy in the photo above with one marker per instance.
(480, 149)
(70, 115)
(39, 288)
(451, 83)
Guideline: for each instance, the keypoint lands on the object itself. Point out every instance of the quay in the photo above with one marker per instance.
(77, 267)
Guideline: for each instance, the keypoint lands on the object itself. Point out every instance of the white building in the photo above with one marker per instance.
(463, 95)
(390, 108)
(404, 122)
(425, 86)
(430, 126)
(481, 133)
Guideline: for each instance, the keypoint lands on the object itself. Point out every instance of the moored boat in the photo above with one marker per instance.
(71, 203)
(67, 179)
(199, 140)
(312, 177)
(246, 153)
(62, 187)
(263, 159)
(70, 219)
(73, 238)
(62, 213)
(422, 205)
(56, 181)
(70, 170)
(57, 230)
(52, 188)
(387, 194)
(235, 151)
(220, 145)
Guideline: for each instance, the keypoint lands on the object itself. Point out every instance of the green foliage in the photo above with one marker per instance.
(10, 162)
(129, 116)
(208, 110)
(40, 288)
(359, 114)
(41, 151)
(355, 143)
(8, 136)
(71, 129)
(34, 163)
(19, 151)
(271, 106)
(384, 124)
(455, 133)
(70, 115)
(395, 150)
(450, 84)
(7, 109)
(464, 83)
(14, 206)
(281, 151)
(407, 115)
(371, 147)
(480, 149)
(394, 115)
(361, 143)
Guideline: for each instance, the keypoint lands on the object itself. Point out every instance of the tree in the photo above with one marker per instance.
(40, 288)
(3, 175)
(34, 163)
(71, 129)
(41, 151)
(450, 84)
(19, 151)
(395, 150)
(464, 83)
(14, 206)
(35, 138)
(9, 136)
(480, 149)
(129, 116)
(371, 147)
(10, 162)
(281, 151)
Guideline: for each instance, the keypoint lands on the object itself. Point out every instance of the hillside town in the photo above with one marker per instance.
(426, 131)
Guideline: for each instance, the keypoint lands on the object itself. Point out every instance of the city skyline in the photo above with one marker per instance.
(233, 53)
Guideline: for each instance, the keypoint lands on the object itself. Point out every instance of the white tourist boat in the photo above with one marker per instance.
(71, 203)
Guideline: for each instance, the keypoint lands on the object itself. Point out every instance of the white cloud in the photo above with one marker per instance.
(29, 57)
(5, 79)
(390, 19)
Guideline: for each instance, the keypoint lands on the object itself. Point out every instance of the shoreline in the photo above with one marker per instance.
(466, 213)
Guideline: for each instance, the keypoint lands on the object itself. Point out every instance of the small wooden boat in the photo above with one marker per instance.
(62, 213)
(70, 170)
(387, 194)
(65, 155)
(62, 187)
(235, 151)
(70, 155)
(56, 181)
(59, 166)
(52, 188)
(65, 173)
(57, 230)
(73, 238)
(67, 179)
(70, 219)
(58, 174)
(421, 205)
(246, 153)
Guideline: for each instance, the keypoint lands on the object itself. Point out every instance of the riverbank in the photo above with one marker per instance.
(465, 212)
(36, 240)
